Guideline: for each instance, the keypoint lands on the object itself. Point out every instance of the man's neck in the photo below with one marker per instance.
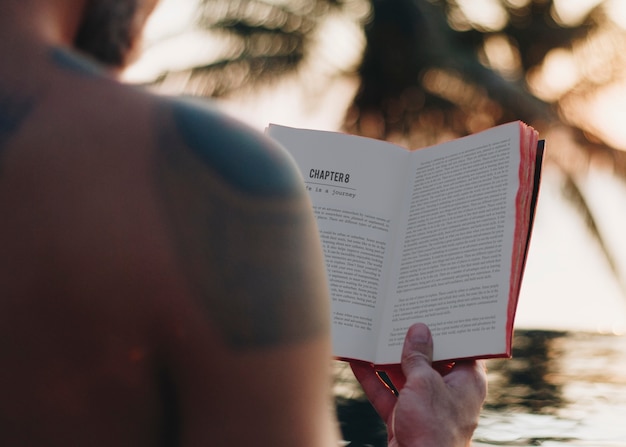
(28, 34)
(51, 22)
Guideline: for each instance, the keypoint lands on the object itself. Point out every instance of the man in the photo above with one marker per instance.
(161, 277)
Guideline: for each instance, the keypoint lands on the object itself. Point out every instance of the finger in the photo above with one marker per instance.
(471, 376)
(463, 370)
(379, 395)
(417, 351)
(468, 381)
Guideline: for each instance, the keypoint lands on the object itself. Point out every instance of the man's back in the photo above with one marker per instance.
(156, 272)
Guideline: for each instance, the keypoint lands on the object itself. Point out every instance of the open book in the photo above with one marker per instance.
(438, 235)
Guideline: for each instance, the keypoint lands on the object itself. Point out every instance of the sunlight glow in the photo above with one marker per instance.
(200, 48)
(169, 27)
(603, 114)
(573, 12)
(488, 14)
(616, 11)
(567, 284)
(450, 86)
(605, 196)
(169, 18)
(341, 43)
(502, 56)
(518, 3)
(557, 75)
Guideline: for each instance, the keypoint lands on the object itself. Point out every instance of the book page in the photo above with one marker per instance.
(353, 183)
(454, 259)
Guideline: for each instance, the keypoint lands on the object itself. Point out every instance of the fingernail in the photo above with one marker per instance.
(419, 333)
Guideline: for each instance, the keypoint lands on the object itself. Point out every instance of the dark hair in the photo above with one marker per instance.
(107, 30)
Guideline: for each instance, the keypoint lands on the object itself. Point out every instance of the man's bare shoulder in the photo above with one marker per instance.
(239, 220)
(243, 226)
(155, 254)
(119, 164)
(243, 157)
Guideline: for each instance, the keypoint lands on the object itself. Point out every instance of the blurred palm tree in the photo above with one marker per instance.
(431, 70)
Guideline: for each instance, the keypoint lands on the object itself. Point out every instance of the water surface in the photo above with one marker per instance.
(559, 389)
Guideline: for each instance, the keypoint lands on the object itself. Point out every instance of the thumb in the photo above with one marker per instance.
(417, 351)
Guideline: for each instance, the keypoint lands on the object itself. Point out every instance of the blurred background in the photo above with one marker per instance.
(418, 72)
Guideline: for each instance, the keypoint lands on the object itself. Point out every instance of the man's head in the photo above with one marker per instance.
(111, 29)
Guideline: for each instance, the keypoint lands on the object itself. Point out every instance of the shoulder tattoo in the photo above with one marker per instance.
(67, 60)
(234, 151)
(241, 245)
(14, 109)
